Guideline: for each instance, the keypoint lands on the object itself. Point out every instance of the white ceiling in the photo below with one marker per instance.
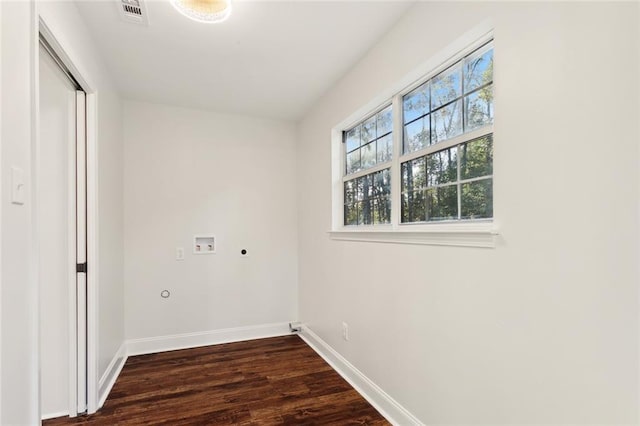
(269, 59)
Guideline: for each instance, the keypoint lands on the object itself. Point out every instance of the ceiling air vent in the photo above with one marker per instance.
(133, 11)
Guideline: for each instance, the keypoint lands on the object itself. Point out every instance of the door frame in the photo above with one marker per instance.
(42, 30)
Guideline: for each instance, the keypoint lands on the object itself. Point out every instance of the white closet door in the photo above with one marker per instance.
(61, 228)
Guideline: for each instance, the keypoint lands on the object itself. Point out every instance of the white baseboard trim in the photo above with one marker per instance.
(54, 415)
(387, 406)
(110, 375)
(205, 338)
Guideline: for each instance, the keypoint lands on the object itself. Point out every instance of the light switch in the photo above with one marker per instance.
(179, 253)
(18, 189)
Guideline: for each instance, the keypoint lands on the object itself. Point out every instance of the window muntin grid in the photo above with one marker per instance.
(455, 101)
(370, 142)
(455, 183)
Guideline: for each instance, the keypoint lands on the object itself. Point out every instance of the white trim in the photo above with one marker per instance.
(638, 263)
(93, 266)
(638, 240)
(111, 374)
(449, 143)
(396, 169)
(55, 415)
(378, 167)
(48, 35)
(150, 345)
(32, 222)
(381, 401)
(458, 234)
(1, 204)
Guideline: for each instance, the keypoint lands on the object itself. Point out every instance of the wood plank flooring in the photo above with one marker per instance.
(272, 381)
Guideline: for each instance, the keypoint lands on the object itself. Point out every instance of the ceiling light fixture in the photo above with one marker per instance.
(207, 11)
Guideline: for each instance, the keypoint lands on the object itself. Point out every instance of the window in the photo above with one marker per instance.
(451, 179)
(367, 194)
(444, 166)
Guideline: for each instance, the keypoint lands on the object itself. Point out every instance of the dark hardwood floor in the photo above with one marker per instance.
(260, 382)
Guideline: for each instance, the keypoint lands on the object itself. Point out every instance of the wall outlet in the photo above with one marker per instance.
(345, 331)
(179, 253)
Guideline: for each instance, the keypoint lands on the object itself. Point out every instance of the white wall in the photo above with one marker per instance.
(191, 172)
(542, 329)
(67, 25)
(18, 368)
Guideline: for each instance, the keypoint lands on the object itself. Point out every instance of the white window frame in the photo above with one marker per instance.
(466, 233)
(378, 167)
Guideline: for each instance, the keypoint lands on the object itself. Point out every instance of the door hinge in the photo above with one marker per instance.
(81, 267)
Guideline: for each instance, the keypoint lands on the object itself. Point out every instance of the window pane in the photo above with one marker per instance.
(413, 174)
(447, 122)
(478, 108)
(382, 183)
(359, 188)
(384, 121)
(416, 103)
(476, 158)
(442, 167)
(369, 130)
(477, 199)
(478, 70)
(442, 203)
(382, 211)
(413, 206)
(351, 214)
(368, 153)
(353, 161)
(367, 212)
(365, 186)
(416, 135)
(349, 192)
(385, 148)
(352, 138)
(446, 86)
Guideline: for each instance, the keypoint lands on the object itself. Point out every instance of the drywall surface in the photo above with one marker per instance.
(543, 329)
(65, 22)
(19, 357)
(191, 172)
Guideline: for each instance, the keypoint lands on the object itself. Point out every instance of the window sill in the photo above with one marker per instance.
(480, 235)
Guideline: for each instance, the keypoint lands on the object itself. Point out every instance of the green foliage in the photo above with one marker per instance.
(477, 199)
(476, 158)
(442, 203)
(367, 199)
